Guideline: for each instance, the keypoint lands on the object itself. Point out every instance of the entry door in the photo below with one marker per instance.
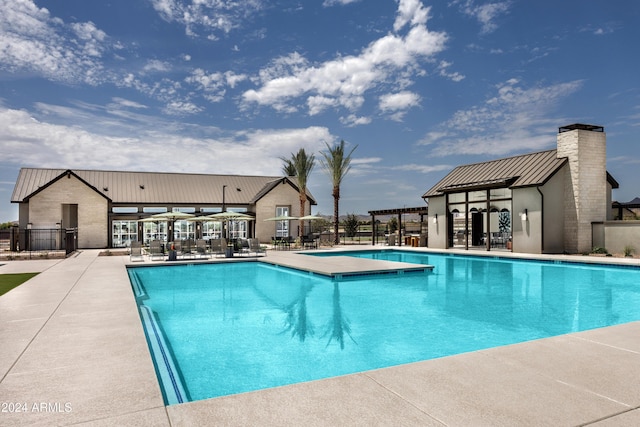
(69, 216)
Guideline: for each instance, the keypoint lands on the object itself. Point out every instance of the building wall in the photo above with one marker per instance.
(527, 234)
(46, 210)
(281, 195)
(553, 210)
(616, 235)
(437, 231)
(585, 185)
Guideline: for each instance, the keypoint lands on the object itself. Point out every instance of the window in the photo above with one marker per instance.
(211, 230)
(282, 227)
(480, 218)
(155, 231)
(237, 229)
(184, 210)
(123, 233)
(210, 210)
(184, 230)
(154, 209)
(124, 209)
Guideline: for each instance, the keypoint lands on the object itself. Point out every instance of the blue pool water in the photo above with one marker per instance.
(226, 328)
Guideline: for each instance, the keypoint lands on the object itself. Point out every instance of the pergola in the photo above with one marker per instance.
(420, 210)
(633, 204)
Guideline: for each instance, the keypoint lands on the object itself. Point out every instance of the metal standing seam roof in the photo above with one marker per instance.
(518, 171)
(156, 187)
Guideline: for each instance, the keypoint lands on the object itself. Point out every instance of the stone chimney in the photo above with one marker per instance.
(585, 146)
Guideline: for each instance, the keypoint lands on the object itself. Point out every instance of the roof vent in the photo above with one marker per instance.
(580, 126)
(105, 188)
(142, 186)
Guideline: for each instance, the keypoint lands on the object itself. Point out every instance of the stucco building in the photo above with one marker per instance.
(106, 206)
(544, 202)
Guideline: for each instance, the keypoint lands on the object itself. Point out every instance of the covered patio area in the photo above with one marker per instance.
(421, 211)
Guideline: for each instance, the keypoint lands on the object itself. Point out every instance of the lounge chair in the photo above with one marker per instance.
(201, 248)
(254, 247)
(136, 251)
(243, 247)
(188, 248)
(155, 250)
(218, 246)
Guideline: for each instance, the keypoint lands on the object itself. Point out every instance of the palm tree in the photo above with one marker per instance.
(336, 164)
(300, 165)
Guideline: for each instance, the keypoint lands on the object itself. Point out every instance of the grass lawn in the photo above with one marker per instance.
(10, 281)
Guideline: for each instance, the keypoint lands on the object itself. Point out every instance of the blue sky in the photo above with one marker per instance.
(229, 87)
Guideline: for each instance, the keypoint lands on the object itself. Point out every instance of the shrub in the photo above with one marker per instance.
(599, 250)
(629, 251)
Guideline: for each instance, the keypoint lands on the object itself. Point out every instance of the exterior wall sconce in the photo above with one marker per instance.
(524, 215)
(435, 219)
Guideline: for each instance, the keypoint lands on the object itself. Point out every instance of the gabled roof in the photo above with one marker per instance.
(153, 187)
(519, 171)
(284, 180)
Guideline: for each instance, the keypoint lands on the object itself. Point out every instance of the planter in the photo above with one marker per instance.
(173, 255)
(228, 253)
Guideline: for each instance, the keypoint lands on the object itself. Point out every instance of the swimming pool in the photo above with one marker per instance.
(226, 328)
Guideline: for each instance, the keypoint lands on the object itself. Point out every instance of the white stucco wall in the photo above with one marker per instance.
(553, 215)
(527, 233)
(45, 210)
(437, 231)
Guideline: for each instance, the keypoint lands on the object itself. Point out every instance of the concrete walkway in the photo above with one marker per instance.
(72, 351)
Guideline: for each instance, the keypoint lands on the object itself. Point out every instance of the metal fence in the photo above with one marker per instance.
(38, 240)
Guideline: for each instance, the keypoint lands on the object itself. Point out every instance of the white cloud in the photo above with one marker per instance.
(443, 69)
(328, 3)
(34, 142)
(214, 84)
(410, 11)
(486, 14)
(399, 101)
(510, 121)
(207, 16)
(156, 66)
(32, 40)
(422, 168)
(352, 120)
(343, 81)
(127, 103)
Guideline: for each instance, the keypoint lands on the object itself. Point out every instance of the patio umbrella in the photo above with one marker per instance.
(230, 216)
(171, 217)
(310, 217)
(283, 218)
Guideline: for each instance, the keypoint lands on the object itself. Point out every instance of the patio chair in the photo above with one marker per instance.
(155, 250)
(309, 242)
(136, 251)
(254, 247)
(201, 248)
(218, 246)
(243, 247)
(189, 249)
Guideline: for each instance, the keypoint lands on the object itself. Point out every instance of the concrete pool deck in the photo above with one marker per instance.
(72, 351)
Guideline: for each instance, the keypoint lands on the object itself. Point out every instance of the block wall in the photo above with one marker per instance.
(281, 195)
(45, 210)
(585, 185)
